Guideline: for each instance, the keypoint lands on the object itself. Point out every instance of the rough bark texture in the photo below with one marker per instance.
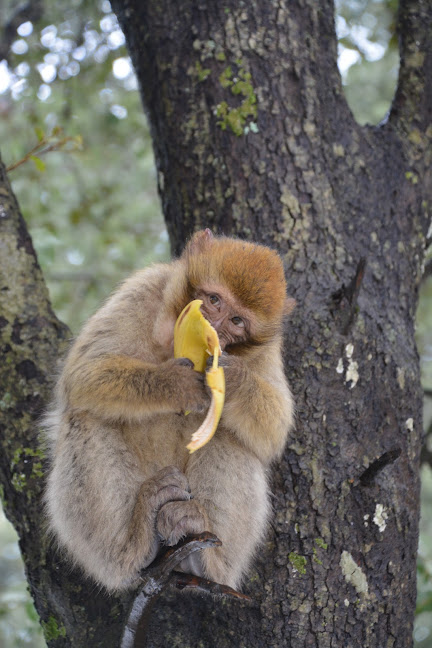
(31, 340)
(253, 137)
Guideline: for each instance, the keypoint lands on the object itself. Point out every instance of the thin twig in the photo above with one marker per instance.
(159, 575)
(49, 147)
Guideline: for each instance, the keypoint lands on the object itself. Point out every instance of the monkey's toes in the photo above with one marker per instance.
(169, 484)
(175, 520)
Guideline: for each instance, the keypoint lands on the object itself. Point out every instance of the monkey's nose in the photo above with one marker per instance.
(218, 323)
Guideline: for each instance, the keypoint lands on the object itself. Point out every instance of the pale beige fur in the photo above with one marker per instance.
(120, 474)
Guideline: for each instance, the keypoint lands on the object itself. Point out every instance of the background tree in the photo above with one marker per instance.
(253, 136)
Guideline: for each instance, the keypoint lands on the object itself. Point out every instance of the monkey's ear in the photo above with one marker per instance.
(199, 241)
(289, 306)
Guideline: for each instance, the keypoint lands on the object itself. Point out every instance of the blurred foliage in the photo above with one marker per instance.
(368, 56)
(92, 207)
(424, 340)
(19, 622)
(94, 215)
(423, 621)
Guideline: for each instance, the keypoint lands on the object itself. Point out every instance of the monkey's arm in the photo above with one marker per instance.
(259, 406)
(118, 386)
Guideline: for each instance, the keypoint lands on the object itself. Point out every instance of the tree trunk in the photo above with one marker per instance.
(253, 137)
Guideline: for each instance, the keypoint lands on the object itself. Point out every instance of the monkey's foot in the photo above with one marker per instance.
(177, 520)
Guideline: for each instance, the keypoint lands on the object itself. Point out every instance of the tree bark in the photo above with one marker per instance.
(31, 341)
(253, 137)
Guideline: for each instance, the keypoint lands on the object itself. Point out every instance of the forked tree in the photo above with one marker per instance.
(253, 137)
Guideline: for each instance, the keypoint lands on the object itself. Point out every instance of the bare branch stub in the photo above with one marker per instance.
(344, 301)
(368, 476)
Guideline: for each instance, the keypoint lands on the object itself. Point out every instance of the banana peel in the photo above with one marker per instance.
(196, 339)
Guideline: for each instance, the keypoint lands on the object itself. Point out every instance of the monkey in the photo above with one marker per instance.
(120, 482)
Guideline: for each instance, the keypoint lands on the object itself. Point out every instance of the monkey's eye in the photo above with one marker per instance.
(237, 321)
(214, 299)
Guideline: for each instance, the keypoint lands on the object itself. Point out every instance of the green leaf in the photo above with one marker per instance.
(75, 216)
(39, 133)
(78, 141)
(424, 605)
(39, 164)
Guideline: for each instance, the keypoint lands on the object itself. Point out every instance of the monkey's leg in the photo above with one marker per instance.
(230, 484)
(140, 543)
(101, 505)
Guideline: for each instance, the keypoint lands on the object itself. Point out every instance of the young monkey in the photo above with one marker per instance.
(121, 482)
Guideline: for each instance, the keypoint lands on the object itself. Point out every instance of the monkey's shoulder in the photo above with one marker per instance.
(128, 316)
(148, 283)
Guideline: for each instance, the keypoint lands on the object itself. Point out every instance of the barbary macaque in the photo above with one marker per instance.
(121, 483)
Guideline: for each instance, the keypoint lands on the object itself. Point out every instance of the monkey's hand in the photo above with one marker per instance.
(186, 388)
(175, 520)
(235, 372)
(167, 485)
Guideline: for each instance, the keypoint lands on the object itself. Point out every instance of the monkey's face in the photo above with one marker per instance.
(231, 320)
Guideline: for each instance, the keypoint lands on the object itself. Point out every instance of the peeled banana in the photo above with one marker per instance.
(196, 339)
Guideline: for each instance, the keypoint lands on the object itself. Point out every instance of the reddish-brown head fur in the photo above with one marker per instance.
(253, 273)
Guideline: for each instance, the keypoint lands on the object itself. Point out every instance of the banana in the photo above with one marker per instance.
(196, 339)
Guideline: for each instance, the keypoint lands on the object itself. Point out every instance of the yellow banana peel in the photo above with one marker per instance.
(196, 339)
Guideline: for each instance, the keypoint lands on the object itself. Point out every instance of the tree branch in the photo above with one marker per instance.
(412, 105)
(31, 341)
(159, 575)
(31, 338)
(426, 452)
(427, 270)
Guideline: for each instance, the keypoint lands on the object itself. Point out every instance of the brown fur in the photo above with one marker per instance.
(120, 480)
(253, 273)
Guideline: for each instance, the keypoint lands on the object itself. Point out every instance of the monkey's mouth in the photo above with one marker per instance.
(223, 342)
